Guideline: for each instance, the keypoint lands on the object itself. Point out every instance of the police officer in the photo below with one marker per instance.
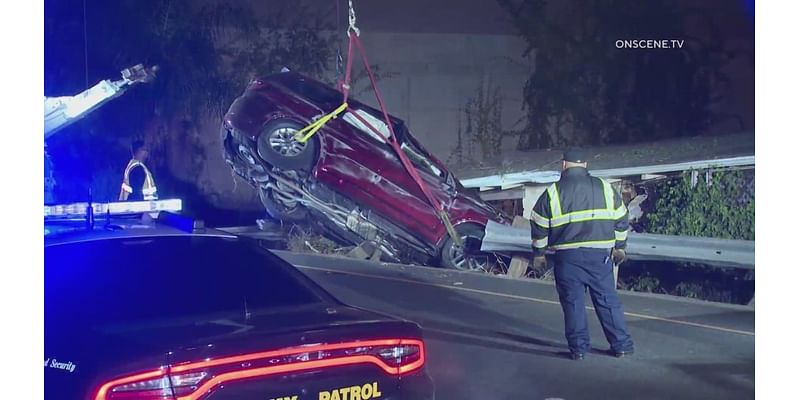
(49, 179)
(584, 220)
(137, 181)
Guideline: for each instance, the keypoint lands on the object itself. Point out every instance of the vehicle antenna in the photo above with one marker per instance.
(90, 212)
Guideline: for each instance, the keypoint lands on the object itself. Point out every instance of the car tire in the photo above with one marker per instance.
(453, 258)
(279, 211)
(276, 145)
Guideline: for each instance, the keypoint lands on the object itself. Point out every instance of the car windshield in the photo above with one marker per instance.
(126, 280)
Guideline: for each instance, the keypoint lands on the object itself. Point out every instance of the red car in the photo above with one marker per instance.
(347, 179)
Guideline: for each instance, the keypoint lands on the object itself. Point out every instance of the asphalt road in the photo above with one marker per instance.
(494, 338)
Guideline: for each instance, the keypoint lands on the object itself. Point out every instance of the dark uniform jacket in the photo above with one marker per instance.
(136, 179)
(579, 210)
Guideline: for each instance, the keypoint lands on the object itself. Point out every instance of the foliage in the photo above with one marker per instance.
(722, 207)
(696, 281)
(206, 51)
(643, 283)
(587, 91)
(703, 290)
(483, 113)
(289, 37)
(305, 241)
(483, 118)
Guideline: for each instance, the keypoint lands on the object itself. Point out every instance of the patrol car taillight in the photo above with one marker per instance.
(150, 386)
(192, 380)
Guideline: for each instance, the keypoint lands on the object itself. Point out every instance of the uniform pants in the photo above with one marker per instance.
(575, 271)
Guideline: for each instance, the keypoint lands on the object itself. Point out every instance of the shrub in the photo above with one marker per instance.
(303, 241)
(723, 207)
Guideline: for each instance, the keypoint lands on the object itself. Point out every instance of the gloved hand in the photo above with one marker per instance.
(539, 262)
(618, 256)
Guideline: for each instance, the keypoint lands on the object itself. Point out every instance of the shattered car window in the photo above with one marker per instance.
(421, 162)
(418, 157)
(377, 123)
(325, 95)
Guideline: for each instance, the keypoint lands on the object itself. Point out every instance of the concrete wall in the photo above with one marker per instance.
(437, 72)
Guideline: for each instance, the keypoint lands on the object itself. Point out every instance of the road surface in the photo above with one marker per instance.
(496, 338)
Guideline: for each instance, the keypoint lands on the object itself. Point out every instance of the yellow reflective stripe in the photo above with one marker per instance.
(609, 194)
(306, 133)
(540, 220)
(599, 244)
(581, 216)
(620, 211)
(555, 202)
(131, 165)
(621, 235)
(540, 243)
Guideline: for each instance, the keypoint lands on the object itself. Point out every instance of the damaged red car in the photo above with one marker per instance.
(346, 180)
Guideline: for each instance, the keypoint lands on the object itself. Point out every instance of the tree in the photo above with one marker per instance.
(586, 90)
(206, 53)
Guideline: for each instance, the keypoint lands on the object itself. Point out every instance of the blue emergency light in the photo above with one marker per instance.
(63, 217)
(81, 210)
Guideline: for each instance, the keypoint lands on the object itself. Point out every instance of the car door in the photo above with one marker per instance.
(360, 164)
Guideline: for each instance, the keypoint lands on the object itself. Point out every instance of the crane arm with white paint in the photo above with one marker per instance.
(60, 112)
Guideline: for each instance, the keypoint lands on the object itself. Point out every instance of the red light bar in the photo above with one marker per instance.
(393, 356)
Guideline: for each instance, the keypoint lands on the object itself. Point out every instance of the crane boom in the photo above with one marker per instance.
(60, 112)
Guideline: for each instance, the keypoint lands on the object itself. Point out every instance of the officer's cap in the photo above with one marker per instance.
(575, 156)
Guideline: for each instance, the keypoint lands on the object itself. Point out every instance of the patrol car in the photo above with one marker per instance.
(167, 309)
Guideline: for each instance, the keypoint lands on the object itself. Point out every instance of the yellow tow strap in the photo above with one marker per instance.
(306, 133)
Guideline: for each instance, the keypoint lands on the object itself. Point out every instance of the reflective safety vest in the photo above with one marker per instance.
(579, 211)
(149, 187)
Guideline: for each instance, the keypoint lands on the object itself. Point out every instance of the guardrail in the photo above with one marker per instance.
(550, 176)
(641, 246)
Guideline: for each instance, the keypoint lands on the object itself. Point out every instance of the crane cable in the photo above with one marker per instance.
(305, 134)
(85, 46)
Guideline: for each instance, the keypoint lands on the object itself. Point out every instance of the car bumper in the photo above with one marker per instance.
(418, 386)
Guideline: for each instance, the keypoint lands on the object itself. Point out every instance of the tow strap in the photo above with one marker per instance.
(306, 133)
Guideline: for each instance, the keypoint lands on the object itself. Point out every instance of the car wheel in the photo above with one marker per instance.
(469, 257)
(278, 147)
(281, 210)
